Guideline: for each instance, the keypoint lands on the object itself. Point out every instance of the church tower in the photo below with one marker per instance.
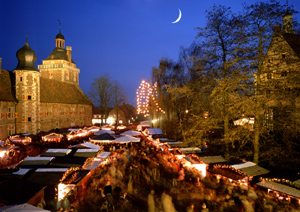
(59, 64)
(287, 23)
(27, 90)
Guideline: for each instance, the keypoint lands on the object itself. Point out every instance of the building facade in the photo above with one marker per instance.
(280, 78)
(34, 100)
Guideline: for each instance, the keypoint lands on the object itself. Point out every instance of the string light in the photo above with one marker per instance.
(144, 93)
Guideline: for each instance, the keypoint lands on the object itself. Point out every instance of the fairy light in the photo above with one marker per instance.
(144, 93)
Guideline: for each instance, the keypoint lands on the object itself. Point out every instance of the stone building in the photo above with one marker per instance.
(34, 100)
(280, 78)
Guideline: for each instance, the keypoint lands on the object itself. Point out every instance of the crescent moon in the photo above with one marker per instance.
(178, 19)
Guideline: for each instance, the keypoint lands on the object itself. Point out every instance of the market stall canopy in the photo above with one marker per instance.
(103, 155)
(103, 138)
(131, 133)
(52, 137)
(190, 150)
(251, 169)
(212, 159)
(228, 171)
(17, 191)
(67, 162)
(35, 162)
(47, 176)
(100, 132)
(87, 153)
(20, 208)
(56, 152)
(85, 145)
(280, 188)
(127, 139)
(153, 131)
(92, 163)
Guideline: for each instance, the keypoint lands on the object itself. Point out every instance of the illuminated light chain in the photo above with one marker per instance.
(144, 93)
(281, 181)
(232, 169)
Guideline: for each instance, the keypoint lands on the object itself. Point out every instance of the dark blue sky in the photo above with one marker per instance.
(124, 38)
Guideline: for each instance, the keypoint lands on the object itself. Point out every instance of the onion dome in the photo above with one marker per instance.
(26, 57)
(60, 36)
(58, 54)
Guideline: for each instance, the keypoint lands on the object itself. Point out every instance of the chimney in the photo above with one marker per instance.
(69, 53)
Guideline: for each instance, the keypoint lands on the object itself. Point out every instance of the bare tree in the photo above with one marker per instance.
(101, 93)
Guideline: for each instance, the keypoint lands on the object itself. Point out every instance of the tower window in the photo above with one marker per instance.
(269, 76)
(21, 79)
(282, 56)
(283, 74)
(29, 119)
(29, 97)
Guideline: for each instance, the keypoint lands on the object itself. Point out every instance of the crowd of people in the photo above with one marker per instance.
(154, 180)
(146, 176)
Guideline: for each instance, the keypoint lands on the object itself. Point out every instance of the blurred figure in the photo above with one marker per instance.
(190, 208)
(167, 203)
(151, 201)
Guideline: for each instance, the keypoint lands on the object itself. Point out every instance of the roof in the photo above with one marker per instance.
(103, 155)
(6, 87)
(188, 150)
(22, 207)
(280, 188)
(53, 91)
(85, 145)
(47, 176)
(294, 41)
(35, 162)
(251, 169)
(68, 162)
(17, 191)
(212, 159)
(75, 176)
(86, 153)
(105, 136)
(56, 152)
(154, 131)
(92, 164)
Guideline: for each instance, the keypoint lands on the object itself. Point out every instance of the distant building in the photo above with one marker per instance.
(280, 77)
(126, 114)
(33, 100)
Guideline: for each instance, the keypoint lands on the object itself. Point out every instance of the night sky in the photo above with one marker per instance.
(124, 38)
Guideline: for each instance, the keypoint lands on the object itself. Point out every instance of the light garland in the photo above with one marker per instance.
(144, 94)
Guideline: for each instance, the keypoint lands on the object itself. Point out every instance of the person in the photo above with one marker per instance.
(151, 201)
(116, 195)
(190, 208)
(204, 147)
(204, 209)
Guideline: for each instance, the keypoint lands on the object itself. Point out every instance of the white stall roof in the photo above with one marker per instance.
(52, 170)
(243, 165)
(21, 171)
(92, 164)
(57, 152)
(154, 131)
(212, 159)
(280, 188)
(86, 145)
(250, 169)
(103, 155)
(189, 150)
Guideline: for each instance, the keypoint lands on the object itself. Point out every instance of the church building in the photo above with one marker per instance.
(34, 100)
